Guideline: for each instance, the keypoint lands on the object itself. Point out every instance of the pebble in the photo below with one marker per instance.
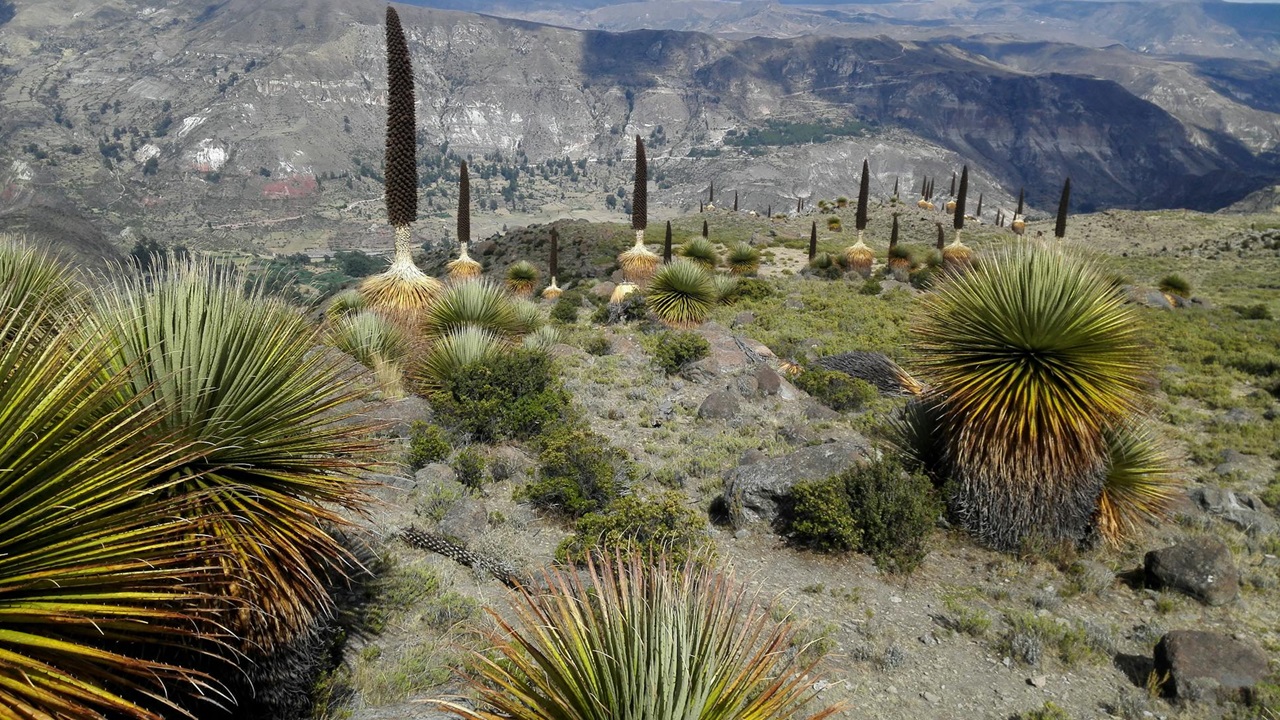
(930, 697)
(895, 599)
(891, 690)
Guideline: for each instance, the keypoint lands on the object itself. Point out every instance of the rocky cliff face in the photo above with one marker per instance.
(183, 119)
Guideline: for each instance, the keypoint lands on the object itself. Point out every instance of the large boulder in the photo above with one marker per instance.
(722, 405)
(1200, 567)
(1209, 666)
(1244, 511)
(753, 492)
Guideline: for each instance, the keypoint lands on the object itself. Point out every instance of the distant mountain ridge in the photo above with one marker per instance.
(216, 119)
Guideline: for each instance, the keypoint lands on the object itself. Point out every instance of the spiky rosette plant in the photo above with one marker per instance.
(682, 294)
(699, 250)
(345, 303)
(464, 268)
(858, 256)
(455, 351)
(726, 288)
(522, 276)
(1019, 224)
(1031, 356)
(30, 273)
(639, 263)
(743, 259)
(377, 343)
(957, 256)
(899, 256)
(475, 303)
(98, 568)
(235, 373)
(1140, 487)
(622, 292)
(552, 291)
(403, 286)
(636, 639)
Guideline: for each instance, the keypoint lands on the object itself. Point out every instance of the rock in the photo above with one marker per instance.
(1148, 297)
(484, 248)
(1244, 511)
(603, 290)
(747, 385)
(817, 411)
(743, 318)
(768, 382)
(435, 475)
(507, 462)
(1201, 568)
(396, 417)
(753, 492)
(1038, 681)
(1199, 661)
(465, 522)
(1238, 416)
(930, 697)
(702, 372)
(720, 405)
(751, 457)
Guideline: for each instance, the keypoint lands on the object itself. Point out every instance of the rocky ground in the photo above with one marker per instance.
(973, 633)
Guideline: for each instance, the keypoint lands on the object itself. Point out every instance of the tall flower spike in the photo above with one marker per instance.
(957, 255)
(813, 240)
(464, 267)
(1060, 228)
(666, 245)
(552, 291)
(858, 255)
(403, 287)
(638, 263)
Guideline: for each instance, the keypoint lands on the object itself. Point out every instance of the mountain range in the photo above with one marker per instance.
(246, 125)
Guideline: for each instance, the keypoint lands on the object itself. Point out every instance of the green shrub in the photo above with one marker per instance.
(597, 345)
(634, 525)
(1050, 711)
(428, 443)
(1258, 311)
(754, 289)
(923, 278)
(870, 287)
(836, 390)
(672, 350)
(511, 395)
(819, 516)
(566, 308)
(579, 472)
(1271, 494)
(468, 465)
(877, 508)
(1175, 284)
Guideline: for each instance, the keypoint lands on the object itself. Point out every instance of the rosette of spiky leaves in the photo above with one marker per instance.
(743, 259)
(29, 274)
(96, 572)
(463, 268)
(899, 260)
(622, 292)
(455, 351)
(642, 640)
(1031, 356)
(529, 316)
(864, 192)
(1139, 487)
(345, 303)
(639, 262)
(402, 287)
(700, 251)
(522, 276)
(859, 258)
(682, 294)
(377, 342)
(726, 288)
(957, 256)
(235, 372)
(475, 303)
(552, 291)
(543, 339)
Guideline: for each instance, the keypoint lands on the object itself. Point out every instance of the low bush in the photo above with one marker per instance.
(638, 526)
(469, 467)
(877, 508)
(578, 472)
(566, 308)
(672, 350)
(428, 443)
(597, 345)
(836, 390)
(870, 287)
(754, 289)
(513, 395)
(1258, 311)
